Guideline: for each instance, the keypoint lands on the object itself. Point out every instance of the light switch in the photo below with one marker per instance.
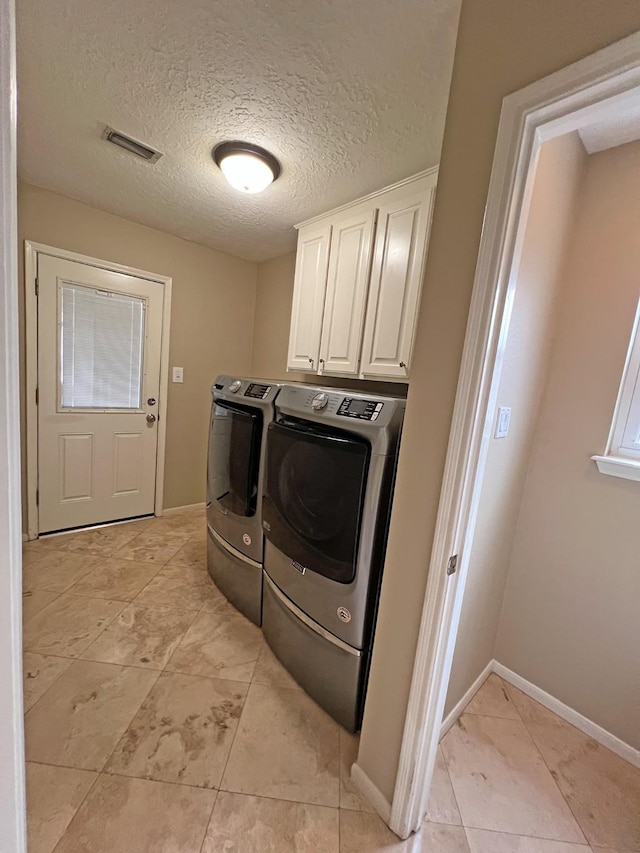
(503, 421)
(178, 374)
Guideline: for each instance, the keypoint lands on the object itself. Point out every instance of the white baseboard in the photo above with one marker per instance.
(624, 750)
(371, 792)
(459, 707)
(176, 510)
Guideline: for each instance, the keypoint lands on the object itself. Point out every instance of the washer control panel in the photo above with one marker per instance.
(319, 401)
(367, 410)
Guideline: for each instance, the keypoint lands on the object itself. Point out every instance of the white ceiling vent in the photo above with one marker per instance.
(132, 145)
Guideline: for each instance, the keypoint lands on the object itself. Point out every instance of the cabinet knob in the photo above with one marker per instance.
(311, 362)
(402, 364)
(322, 361)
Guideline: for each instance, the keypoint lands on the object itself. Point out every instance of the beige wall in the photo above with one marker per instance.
(212, 314)
(501, 47)
(570, 614)
(273, 315)
(271, 339)
(527, 351)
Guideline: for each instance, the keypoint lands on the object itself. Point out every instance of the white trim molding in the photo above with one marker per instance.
(618, 466)
(621, 457)
(595, 88)
(565, 712)
(372, 794)
(31, 252)
(593, 730)
(13, 826)
(459, 707)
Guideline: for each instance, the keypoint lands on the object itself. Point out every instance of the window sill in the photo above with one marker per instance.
(618, 466)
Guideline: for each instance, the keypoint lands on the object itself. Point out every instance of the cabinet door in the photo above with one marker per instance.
(396, 282)
(310, 284)
(347, 285)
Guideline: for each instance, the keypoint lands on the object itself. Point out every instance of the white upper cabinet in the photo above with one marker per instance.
(347, 285)
(310, 284)
(357, 284)
(396, 281)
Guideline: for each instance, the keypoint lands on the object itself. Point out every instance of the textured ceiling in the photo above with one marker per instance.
(350, 95)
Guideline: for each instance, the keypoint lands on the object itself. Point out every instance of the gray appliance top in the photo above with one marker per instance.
(362, 412)
(248, 391)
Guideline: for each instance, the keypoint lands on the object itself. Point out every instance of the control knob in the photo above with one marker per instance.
(235, 386)
(319, 401)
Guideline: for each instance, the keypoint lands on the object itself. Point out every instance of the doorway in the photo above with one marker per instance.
(97, 356)
(598, 89)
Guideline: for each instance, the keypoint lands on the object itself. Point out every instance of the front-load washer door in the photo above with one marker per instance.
(314, 496)
(234, 458)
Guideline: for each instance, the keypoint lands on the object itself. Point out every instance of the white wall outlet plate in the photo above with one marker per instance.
(503, 421)
(178, 374)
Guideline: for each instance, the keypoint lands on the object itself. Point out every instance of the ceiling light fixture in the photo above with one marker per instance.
(246, 167)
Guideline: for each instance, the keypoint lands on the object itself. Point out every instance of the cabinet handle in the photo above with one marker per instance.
(322, 361)
(402, 364)
(311, 362)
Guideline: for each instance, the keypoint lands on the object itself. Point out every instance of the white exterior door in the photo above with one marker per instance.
(347, 284)
(309, 289)
(396, 281)
(99, 346)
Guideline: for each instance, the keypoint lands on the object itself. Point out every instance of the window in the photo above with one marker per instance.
(101, 342)
(622, 454)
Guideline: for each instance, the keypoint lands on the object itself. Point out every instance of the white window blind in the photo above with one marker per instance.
(101, 348)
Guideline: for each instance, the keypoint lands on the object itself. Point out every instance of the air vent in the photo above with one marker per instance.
(131, 145)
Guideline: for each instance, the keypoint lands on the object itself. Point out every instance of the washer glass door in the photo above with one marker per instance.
(314, 496)
(234, 457)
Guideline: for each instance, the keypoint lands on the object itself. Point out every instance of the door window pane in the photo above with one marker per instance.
(101, 348)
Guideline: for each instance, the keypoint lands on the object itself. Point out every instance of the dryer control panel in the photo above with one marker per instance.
(355, 407)
(258, 392)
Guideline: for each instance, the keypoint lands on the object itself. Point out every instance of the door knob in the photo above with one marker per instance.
(151, 401)
(151, 418)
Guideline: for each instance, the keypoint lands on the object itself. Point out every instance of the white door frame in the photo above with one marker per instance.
(31, 252)
(13, 830)
(595, 88)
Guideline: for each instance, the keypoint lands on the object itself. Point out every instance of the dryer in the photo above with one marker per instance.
(241, 412)
(331, 461)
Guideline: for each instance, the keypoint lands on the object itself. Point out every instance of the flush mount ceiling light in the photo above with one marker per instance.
(246, 167)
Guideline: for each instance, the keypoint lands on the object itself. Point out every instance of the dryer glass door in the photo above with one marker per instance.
(315, 488)
(234, 457)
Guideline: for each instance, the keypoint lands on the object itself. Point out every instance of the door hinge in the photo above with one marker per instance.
(37, 497)
(37, 396)
(37, 286)
(452, 564)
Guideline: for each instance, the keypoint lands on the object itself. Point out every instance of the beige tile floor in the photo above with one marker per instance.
(158, 721)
